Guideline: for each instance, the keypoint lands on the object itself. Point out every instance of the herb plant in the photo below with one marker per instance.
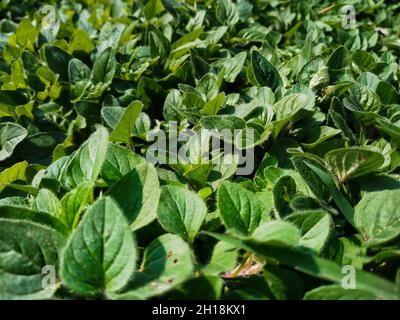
(91, 207)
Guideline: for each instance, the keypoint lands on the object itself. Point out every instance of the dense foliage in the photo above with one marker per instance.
(84, 213)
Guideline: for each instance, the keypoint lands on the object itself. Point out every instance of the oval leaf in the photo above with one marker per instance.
(85, 164)
(181, 211)
(377, 216)
(137, 194)
(239, 208)
(10, 135)
(167, 263)
(100, 255)
(26, 249)
(263, 73)
(353, 162)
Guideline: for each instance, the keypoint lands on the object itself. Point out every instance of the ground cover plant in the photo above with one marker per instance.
(94, 206)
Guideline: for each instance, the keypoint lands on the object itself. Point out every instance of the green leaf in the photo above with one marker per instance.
(224, 124)
(12, 212)
(119, 161)
(284, 192)
(14, 202)
(11, 135)
(341, 124)
(123, 130)
(288, 106)
(58, 61)
(137, 193)
(389, 128)
(377, 216)
(181, 211)
(25, 110)
(387, 93)
(26, 248)
(53, 173)
(313, 181)
(315, 228)
(318, 136)
(227, 12)
(173, 106)
(205, 287)
(167, 263)
(150, 92)
(104, 67)
(213, 106)
(12, 174)
(208, 85)
(26, 33)
(78, 71)
(378, 182)
(353, 162)
(223, 259)
(18, 74)
(141, 126)
(290, 109)
(74, 202)
(362, 98)
(233, 66)
(159, 44)
(336, 292)
(285, 284)
(47, 201)
(100, 256)
(368, 79)
(315, 266)
(9, 101)
(339, 59)
(239, 208)
(81, 42)
(263, 73)
(112, 115)
(84, 165)
(277, 232)
(364, 60)
(153, 8)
